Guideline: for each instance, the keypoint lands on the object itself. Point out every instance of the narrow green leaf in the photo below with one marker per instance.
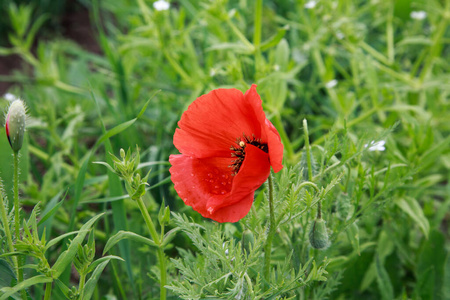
(94, 264)
(53, 210)
(92, 282)
(59, 238)
(127, 235)
(275, 39)
(384, 282)
(353, 237)
(9, 291)
(412, 208)
(67, 256)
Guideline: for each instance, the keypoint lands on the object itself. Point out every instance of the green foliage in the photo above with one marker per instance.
(358, 71)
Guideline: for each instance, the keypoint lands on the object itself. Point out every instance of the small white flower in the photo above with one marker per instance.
(310, 4)
(276, 68)
(340, 35)
(418, 15)
(376, 146)
(161, 5)
(10, 97)
(331, 84)
(212, 72)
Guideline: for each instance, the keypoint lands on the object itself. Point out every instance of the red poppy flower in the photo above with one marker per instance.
(228, 146)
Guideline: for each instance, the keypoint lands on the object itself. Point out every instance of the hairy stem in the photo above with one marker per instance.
(17, 220)
(272, 229)
(308, 160)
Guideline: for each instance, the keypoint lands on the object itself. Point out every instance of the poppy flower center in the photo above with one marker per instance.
(238, 151)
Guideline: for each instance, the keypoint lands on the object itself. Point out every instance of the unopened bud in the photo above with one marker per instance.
(15, 124)
(318, 236)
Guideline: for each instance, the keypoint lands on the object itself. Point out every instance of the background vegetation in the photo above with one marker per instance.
(357, 71)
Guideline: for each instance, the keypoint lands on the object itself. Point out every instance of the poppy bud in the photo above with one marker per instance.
(247, 239)
(15, 124)
(318, 236)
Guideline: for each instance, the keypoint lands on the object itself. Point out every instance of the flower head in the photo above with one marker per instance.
(161, 5)
(310, 4)
(227, 147)
(331, 84)
(15, 124)
(418, 15)
(376, 146)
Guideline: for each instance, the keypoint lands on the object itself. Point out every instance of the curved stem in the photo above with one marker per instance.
(272, 229)
(17, 220)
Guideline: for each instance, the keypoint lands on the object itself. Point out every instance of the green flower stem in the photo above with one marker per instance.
(308, 151)
(308, 160)
(17, 220)
(48, 291)
(158, 241)
(272, 229)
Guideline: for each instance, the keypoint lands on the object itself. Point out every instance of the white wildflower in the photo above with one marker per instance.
(376, 146)
(276, 68)
(310, 4)
(10, 97)
(161, 5)
(418, 15)
(331, 84)
(212, 72)
(340, 35)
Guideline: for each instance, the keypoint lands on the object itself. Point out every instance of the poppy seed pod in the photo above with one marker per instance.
(15, 124)
(318, 236)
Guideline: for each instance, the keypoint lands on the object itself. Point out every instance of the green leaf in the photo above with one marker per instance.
(7, 277)
(384, 282)
(275, 39)
(92, 282)
(9, 291)
(94, 264)
(412, 208)
(59, 238)
(353, 237)
(430, 267)
(67, 256)
(127, 235)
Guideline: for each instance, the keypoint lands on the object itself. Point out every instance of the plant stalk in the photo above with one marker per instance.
(158, 241)
(272, 230)
(17, 220)
(48, 291)
(308, 160)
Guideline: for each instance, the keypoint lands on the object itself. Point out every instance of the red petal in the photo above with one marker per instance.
(214, 121)
(254, 171)
(269, 133)
(275, 147)
(197, 180)
(206, 184)
(234, 212)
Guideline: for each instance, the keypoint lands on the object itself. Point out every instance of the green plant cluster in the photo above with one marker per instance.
(348, 217)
